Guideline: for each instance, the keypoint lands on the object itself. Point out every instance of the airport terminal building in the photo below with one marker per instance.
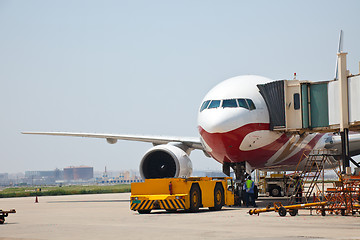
(78, 173)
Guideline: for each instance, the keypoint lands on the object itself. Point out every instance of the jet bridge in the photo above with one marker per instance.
(304, 106)
(323, 106)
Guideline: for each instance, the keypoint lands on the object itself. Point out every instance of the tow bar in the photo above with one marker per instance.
(282, 210)
(4, 214)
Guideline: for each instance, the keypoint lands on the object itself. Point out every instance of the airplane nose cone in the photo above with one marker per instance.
(221, 120)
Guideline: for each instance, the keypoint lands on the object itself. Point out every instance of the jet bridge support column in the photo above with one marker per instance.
(345, 148)
(344, 109)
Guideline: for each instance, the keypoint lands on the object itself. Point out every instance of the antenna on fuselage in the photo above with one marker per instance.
(340, 48)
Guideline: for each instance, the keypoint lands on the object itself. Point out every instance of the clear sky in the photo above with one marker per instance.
(143, 67)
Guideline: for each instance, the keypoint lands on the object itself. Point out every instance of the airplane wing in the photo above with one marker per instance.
(189, 142)
(334, 142)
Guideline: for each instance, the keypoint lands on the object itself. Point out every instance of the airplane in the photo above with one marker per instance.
(234, 128)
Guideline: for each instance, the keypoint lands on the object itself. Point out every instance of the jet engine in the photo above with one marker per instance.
(165, 161)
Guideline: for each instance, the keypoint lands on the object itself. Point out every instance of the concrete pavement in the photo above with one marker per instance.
(107, 216)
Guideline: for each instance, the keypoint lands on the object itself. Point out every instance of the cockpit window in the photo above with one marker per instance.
(251, 104)
(229, 103)
(204, 105)
(242, 103)
(214, 104)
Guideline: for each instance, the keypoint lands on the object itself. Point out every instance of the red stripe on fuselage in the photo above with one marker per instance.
(294, 160)
(226, 146)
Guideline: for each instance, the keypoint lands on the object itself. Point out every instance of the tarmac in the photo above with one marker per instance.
(108, 216)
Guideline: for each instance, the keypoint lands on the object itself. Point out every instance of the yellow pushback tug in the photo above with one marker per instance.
(190, 194)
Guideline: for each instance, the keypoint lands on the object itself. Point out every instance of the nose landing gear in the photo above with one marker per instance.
(240, 176)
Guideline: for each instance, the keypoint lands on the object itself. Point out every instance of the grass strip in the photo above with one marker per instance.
(63, 190)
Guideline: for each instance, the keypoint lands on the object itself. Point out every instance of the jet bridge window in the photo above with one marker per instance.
(229, 103)
(296, 101)
(204, 105)
(214, 104)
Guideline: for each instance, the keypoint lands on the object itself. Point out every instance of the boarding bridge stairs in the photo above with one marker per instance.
(310, 173)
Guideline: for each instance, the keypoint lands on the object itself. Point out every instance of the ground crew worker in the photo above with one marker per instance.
(249, 187)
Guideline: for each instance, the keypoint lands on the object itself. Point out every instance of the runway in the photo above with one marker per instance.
(107, 216)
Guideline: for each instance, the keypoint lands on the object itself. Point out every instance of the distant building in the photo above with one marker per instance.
(209, 173)
(39, 174)
(214, 174)
(124, 177)
(4, 178)
(77, 173)
(42, 177)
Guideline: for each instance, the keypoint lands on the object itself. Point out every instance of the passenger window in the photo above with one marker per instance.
(229, 103)
(296, 101)
(204, 105)
(214, 104)
(251, 104)
(242, 103)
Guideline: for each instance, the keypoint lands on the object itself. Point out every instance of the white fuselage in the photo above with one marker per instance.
(234, 126)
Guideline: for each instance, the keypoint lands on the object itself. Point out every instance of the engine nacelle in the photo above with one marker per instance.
(165, 161)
